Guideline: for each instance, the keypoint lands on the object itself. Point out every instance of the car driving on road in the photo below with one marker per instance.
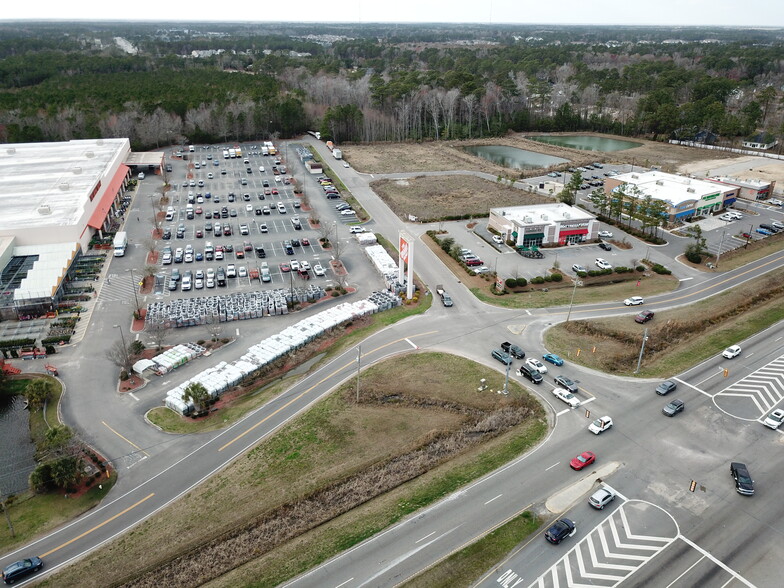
(567, 397)
(601, 498)
(583, 460)
(673, 408)
(731, 352)
(743, 482)
(560, 530)
(634, 301)
(774, 419)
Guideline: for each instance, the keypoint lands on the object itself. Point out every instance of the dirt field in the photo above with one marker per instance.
(434, 197)
(744, 168)
(382, 158)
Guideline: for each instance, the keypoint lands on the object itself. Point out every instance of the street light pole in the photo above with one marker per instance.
(359, 360)
(125, 350)
(718, 255)
(571, 302)
(133, 284)
(642, 349)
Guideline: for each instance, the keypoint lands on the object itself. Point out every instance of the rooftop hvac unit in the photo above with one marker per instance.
(77, 170)
(567, 215)
(690, 190)
(635, 177)
(659, 182)
(89, 154)
(544, 217)
(44, 209)
(528, 220)
(11, 150)
(65, 186)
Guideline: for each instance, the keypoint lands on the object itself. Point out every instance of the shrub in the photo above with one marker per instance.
(510, 282)
(622, 269)
(548, 277)
(693, 257)
(557, 277)
(640, 268)
(537, 280)
(521, 282)
(582, 274)
(660, 269)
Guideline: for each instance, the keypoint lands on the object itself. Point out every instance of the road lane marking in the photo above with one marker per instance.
(132, 395)
(701, 382)
(347, 365)
(344, 583)
(552, 466)
(685, 279)
(491, 500)
(425, 537)
(128, 441)
(716, 561)
(414, 345)
(98, 526)
(685, 383)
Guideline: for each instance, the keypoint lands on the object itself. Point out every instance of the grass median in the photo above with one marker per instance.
(420, 431)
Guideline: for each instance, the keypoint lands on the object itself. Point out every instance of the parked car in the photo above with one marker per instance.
(566, 397)
(673, 408)
(583, 460)
(605, 234)
(605, 246)
(634, 301)
(579, 268)
(553, 359)
(560, 530)
(318, 270)
(498, 239)
(743, 482)
(602, 263)
(644, 317)
(666, 387)
(731, 352)
(601, 425)
(601, 498)
(775, 202)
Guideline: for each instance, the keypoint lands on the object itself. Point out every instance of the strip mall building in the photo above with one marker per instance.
(544, 224)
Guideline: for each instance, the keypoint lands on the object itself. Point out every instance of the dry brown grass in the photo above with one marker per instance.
(333, 458)
(434, 197)
(676, 338)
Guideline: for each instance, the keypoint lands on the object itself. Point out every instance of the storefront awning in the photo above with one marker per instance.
(573, 232)
(107, 198)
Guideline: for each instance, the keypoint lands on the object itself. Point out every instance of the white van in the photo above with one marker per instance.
(170, 212)
(191, 148)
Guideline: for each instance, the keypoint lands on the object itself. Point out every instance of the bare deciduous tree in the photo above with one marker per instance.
(214, 328)
(158, 333)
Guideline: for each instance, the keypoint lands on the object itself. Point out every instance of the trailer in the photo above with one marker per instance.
(446, 299)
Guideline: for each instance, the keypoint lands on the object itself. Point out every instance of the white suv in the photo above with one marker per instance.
(231, 271)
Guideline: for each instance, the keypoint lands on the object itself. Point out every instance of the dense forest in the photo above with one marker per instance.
(217, 82)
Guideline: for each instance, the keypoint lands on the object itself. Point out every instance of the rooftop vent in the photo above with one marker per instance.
(635, 177)
(528, 220)
(11, 150)
(690, 190)
(44, 209)
(567, 215)
(544, 217)
(65, 186)
(77, 170)
(89, 154)
(659, 182)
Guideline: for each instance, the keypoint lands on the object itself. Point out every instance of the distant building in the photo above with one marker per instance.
(544, 224)
(749, 189)
(760, 141)
(685, 197)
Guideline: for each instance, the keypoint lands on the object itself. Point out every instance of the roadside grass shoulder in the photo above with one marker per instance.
(336, 438)
(607, 339)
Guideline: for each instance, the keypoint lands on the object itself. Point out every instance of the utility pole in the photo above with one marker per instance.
(359, 360)
(718, 255)
(642, 349)
(571, 302)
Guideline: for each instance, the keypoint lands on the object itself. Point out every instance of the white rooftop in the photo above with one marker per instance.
(45, 276)
(543, 213)
(756, 184)
(670, 187)
(48, 184)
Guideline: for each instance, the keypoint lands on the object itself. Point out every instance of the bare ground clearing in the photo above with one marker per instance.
(434, 197)
(407, 405)
(385, 158)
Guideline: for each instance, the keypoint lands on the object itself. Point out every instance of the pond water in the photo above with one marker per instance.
(586, 143)
(16, 457)
(514, 157)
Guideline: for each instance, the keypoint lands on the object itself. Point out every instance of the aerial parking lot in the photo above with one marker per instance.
(240, 212)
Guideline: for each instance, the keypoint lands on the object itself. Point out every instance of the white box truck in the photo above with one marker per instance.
(120, 243)
(337, 153)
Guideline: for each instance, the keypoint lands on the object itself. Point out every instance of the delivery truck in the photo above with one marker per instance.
(120, 243)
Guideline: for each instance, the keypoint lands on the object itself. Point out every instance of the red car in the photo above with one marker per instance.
(586, 458)
(644, 317)
(305, 241)
(284, 267)
(275, 191)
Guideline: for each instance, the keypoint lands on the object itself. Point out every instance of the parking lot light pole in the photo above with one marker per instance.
(721, 242)
(571, 302)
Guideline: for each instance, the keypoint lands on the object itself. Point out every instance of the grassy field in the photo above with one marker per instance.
(35, 514)
(678, 338)
(434, 197)
(408, 403)
(466, 566)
